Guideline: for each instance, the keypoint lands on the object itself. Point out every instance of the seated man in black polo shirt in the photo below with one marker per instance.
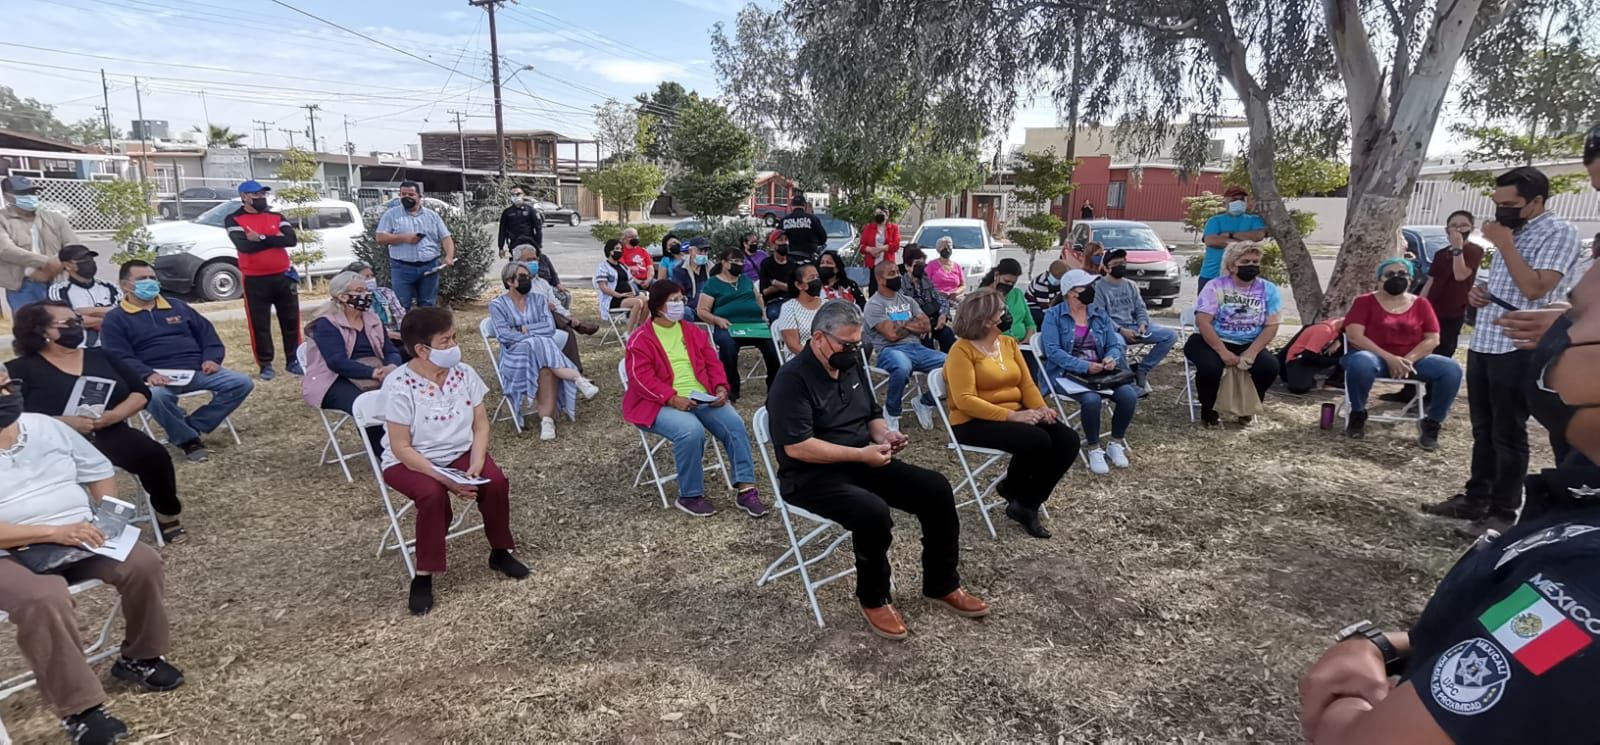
(836, 459)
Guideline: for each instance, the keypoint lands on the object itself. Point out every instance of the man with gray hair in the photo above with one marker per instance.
(836, 459)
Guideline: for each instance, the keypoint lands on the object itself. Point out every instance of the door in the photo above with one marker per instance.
(983, 208)
(338, 227)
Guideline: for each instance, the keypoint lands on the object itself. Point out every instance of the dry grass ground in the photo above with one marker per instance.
(1178, 601)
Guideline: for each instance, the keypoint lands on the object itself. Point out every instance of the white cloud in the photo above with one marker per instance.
(635, 72)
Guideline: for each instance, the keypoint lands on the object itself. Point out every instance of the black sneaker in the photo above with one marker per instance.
(154, 674)
(1210, 419)
(195, 451)
(421, 599)
(1356, 428)
(1460, 507)
(505, 563)
(94, 727)
(1428, 434)
(267, 373)
(294, 368)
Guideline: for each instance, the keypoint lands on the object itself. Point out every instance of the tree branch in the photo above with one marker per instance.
(1171, 27)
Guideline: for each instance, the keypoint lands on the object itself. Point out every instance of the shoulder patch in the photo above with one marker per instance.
(1470, 677)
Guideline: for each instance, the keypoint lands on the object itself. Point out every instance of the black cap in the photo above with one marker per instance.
(1591, 146)
(799, 200)
(74, 252)
(1116, 253)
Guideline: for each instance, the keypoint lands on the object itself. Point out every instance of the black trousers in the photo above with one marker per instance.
(1040, 455)
(1498, 405)
(135, 452)
(858, 497)
(1208, 369)
(342, 397)
(728, 350)
(1449, 336)
(263, 296)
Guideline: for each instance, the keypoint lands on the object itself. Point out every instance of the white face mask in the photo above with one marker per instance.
(673, 311)
(445, 358)
(1236, 207)
(516, 199)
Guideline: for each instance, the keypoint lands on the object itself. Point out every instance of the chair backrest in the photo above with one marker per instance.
(300, 353)
(1186, 319)
(622, 371)
(936, 384)
(758, 423)
(367, 409)
(601, 299)
(490, 343)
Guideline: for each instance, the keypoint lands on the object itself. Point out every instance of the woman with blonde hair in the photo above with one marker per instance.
(350, 351)
(1237, 316)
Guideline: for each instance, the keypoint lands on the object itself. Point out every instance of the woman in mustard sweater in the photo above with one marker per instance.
(995, 404)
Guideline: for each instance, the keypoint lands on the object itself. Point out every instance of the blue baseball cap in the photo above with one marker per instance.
(252, 186)
(18, 184)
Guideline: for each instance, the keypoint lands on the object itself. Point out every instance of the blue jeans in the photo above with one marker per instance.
(687, 431)
(900, 361)
(31, 292)
(1124, 398)
(1442, 374)
(414, 283)
(1163, 338)
(228, 390)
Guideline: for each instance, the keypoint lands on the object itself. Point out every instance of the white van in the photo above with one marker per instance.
(973, 246)
(196, 256)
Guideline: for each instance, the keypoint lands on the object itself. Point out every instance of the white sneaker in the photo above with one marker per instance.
(924, 412)
(893, 422)
(587, 388)
(1118, 454)
(547, 429)
(1097, 462)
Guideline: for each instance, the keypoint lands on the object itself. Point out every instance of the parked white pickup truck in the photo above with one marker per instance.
(196, 255)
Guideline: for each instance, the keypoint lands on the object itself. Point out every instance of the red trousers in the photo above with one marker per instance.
(434, 511)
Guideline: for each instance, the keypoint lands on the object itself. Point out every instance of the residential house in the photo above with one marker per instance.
(544, 159)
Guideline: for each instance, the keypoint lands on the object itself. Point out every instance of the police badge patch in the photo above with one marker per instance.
(1470, 678)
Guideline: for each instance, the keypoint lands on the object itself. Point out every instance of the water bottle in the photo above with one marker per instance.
(1328, 411)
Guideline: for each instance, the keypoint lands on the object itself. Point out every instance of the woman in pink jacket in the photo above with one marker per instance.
(678, 390)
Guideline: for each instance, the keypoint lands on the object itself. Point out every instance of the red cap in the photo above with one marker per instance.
(774, 236)
(1236, 191)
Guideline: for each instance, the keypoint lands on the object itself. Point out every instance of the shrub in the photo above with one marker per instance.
(726, 233)
(464, 282)
(1272, 267)
(649, 233)
(858, 210)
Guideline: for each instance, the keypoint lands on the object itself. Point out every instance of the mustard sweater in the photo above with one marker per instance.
(983, 387)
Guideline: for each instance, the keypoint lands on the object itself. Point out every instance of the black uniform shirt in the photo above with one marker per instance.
(807, 236)
(806, 402)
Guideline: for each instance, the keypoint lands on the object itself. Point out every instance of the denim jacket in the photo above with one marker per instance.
(1058, 335)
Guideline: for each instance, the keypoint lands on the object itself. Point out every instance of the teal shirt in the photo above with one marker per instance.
(1226, 223)
(737, 303)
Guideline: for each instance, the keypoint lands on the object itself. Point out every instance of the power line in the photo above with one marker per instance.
(353, 32)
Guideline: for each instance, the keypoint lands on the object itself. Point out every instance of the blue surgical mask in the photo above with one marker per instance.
(147, 289)
(533, 267)
(28, 202)
(701, 260)
(1236, 207)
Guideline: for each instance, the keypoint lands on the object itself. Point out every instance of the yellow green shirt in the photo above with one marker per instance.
(683, 378)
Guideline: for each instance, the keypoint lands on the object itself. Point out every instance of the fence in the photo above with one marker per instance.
(78, 200)
(1433, 201)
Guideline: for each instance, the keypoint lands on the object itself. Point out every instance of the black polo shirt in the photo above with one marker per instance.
(806, 402)
(771, 271)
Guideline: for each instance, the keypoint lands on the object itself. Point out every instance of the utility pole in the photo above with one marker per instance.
(494, 53)
(144, 131)
(311, 111)
(105, 97)
(462, 139)
(290, 133)
(263, 127)
(349, 163)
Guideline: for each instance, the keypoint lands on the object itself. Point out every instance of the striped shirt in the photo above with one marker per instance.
(1547, 243)
(427, 222)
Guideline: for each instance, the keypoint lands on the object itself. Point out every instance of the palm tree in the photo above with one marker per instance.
(221, 136)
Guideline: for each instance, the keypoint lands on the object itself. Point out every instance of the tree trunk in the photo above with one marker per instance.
(1261, 152)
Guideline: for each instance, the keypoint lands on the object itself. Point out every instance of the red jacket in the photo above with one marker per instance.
(891, 242)
(268, 256)
(650, 383)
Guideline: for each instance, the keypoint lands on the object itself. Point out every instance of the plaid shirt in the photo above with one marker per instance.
(1547, 243)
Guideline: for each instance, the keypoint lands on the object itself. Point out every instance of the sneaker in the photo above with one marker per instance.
(94, 727)
(1211, 419)
(294, 368)
(420, 600)
(1117, 453)
(1097, 462)
(194, 451)
(154, 674)
(1356, 428)
(587, 388)
(267, 373)
(750, 501)
(924, 413)
(893, 422)
(504, 562)
(1460, 507)
(1141, 380)
(696, 506)
(1428, 434)
(547, 429)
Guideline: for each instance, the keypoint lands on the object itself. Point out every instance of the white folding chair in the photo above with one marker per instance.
(1048, 387)
(144, 512)
(1411, 412)
(331, 428)
(822, 529)
(913, 386)
(145, 419)
(784, 355)
(656, 479)
(614, 326)
(486, 330)
(1188, 396)
(991, 456)
(368, 412)
(99, 649)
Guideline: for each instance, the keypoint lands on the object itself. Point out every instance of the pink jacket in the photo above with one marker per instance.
(318, 378)
(650, 382)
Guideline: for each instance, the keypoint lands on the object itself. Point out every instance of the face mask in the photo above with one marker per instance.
(259, 204)
(445, 358)
(28, 202)
(516, 199)
(360, 302)
(616, 256)
(673, 311)
(533, 266)
(1086, 296)
(672, 248)
(1096, 260)
(1396, 285)
(880, 219)
(633, 242)
(10, 409)
(893, 283)
(814, 287)
(944, 253)
(783, 249)
(1247, 273)
(845, 359)
(1004, 288)
(524, 285)
(827, 273)
(87, 269)
(1236, 207)
(408, 203)
(919, 270)
(1543, 402)
(701, 260)
(1510, 217)
(1052, 281)
(147, 289)
(372, 283)
(70, 337)
(1005, 322)
(1119, 271)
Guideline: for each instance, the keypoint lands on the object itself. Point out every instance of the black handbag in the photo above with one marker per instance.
(1103, 381)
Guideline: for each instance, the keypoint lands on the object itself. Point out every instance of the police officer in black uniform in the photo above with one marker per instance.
(520, 220)
(1508, 648)
(807, 236)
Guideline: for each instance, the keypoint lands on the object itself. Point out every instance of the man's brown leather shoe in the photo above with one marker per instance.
(886, 622)
(962, 604)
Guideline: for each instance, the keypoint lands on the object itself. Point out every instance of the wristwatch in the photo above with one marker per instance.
(1393, 662)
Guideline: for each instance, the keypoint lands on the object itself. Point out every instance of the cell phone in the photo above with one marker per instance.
(1502, 303)
(420, 236)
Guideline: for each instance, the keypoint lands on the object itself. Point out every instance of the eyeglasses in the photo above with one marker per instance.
(847, 346)
(1392, 275)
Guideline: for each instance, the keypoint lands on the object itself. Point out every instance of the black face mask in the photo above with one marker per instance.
(1247, 273)
(880, 219)
(1004, 288)
(616, 256)
(1396, 285)
(1546, 405)
(1086, 296)
(845, 359)
(259, 204)
(893, 283)
(1119, 271)
(408, 203)
(87, 268)
(70, 337)
(10, 409)
(814, 287)
(360, 302)
(1005, 322)
(1510, 217)
(524, 285)
(672, 249)
(827, 273)
(919, 270)
(634, 242)
(944, 253)
(783, 249)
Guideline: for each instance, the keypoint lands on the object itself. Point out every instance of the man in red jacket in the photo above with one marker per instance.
(880, 239)
(263, 238)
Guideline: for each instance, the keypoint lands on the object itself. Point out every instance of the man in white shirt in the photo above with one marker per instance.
(90, 297)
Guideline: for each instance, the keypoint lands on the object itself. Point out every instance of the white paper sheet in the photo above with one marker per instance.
(118, 548)
(178, 377)
(704, 398)
(460, 477)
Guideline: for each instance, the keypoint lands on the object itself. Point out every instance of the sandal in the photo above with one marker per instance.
(172, 532)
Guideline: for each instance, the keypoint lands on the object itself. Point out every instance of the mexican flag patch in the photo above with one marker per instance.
(1535, 632)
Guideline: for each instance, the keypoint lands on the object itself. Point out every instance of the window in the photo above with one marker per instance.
(1117, 195)
(167, 179)
(331, 217)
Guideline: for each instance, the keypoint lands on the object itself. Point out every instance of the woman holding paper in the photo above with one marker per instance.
(433, 406)
(95, 394)
(677, 389)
